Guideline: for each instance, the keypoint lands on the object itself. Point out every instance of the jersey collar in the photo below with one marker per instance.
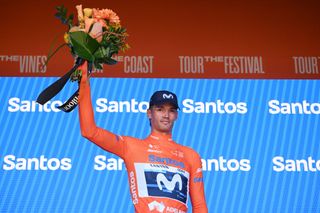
(161, 137)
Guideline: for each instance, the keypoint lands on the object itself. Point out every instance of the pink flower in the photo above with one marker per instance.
(106, 14)
(96, 31)
(87, 23)
(102, 22)
(113, 18)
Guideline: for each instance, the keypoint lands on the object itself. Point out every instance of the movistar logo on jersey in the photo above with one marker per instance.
(160, 180)
(167, 161)
(170, 185)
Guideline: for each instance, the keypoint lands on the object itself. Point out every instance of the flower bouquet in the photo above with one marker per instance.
(97, 36)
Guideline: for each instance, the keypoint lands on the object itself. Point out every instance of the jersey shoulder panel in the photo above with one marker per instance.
(192, 157)
(190, 151)
(129, 139)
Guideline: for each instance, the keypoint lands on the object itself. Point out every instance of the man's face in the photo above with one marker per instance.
(162, 118)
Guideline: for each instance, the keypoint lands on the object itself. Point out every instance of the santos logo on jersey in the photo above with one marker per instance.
(163, 181)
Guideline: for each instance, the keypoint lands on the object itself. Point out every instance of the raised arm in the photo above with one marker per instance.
(197, 195)
(101, 137)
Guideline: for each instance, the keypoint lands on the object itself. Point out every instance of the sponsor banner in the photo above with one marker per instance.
(162, 181)
(145, 172)
(185, 67)
(257, 139)
(219, 42)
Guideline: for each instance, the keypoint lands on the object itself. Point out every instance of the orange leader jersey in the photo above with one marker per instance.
(161, 173)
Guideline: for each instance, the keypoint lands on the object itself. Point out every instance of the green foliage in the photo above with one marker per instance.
(83, 45)
(62, 15)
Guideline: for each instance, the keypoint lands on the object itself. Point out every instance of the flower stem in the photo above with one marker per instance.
(52, 54)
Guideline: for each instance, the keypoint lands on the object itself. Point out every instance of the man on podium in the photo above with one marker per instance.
(161, 172)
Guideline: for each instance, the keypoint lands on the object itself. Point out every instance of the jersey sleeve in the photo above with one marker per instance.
(197, 187)
(101, 137)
